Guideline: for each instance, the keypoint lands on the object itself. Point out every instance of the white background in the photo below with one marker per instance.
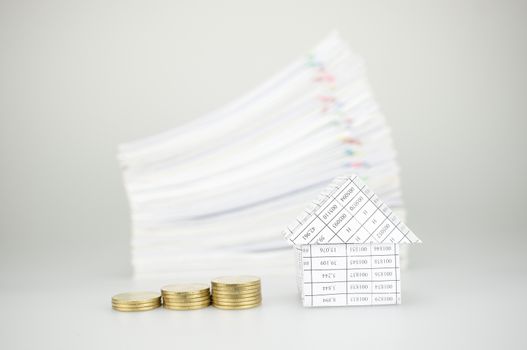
(79, 77)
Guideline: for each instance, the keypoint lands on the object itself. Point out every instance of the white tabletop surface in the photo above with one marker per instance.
(449, 301)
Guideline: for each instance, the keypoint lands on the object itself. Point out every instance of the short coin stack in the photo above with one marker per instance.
(236, 292)
(186, 296)
(136, 301)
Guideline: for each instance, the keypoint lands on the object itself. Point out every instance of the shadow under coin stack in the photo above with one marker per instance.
(236, 292)
(186, 296)
(136, 301)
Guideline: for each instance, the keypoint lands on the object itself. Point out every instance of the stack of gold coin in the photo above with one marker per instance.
(136, 301)
(186, 296)
(236, 292)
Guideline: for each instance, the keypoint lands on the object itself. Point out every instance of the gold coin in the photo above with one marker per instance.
(240, 294)
(186, 296)
(170, 307)
(236, 297)
(236, 307)
(232, 285)
(193, 304)
(186, 289)
(128, 309)
(237, 303)
(208, 301)
(136, 298)
(244, 300)
(236, 291)
(135, 305)
(135, 308)
(197, 306)
(237, 300)
(187, 303)
(236, 288)
(236, 281)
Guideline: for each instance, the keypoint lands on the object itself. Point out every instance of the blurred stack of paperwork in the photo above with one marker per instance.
(214, 194)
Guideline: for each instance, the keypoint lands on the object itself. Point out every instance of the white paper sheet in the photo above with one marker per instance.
(348, 211)
(218, 191)
(350, 274)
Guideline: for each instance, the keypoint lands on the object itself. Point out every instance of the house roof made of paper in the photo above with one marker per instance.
(348, 211)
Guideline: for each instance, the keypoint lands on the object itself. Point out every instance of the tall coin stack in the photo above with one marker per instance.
(236, 292)
(186, 296)
(136, 301)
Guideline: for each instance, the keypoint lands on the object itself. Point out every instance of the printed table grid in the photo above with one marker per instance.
(375, 282)
(317, 206)
(349, 213)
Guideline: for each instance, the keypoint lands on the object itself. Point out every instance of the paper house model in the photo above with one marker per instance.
(347, 244)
